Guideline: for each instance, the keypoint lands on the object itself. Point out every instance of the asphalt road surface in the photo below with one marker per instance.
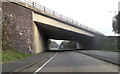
(72, 62)
(106, 55)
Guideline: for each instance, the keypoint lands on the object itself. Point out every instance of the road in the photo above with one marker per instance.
(106, 55)
(72, 62)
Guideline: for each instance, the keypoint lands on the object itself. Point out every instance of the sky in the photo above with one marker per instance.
(96, 14)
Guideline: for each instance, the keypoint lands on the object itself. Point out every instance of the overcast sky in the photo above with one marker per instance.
(93, 13)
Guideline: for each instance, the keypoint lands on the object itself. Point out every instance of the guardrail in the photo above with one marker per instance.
(51, 12)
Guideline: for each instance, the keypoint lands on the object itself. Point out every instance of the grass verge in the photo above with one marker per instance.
(11, 55)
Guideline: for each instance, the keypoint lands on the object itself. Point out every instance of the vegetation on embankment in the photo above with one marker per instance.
(109, 50)
(11, 55)
(68, 45)
(9, 52)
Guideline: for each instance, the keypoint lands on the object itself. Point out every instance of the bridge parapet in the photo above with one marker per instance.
(56, 14)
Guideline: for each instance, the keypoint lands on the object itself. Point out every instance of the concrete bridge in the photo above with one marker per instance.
(32, 25)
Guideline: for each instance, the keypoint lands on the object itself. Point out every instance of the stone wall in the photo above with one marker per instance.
(17, 27)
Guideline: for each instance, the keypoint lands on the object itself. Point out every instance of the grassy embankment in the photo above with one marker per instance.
(11, 55)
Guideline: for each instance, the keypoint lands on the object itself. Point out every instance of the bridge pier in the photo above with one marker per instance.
(40, 40)
(79, 46)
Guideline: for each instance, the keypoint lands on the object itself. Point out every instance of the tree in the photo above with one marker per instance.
(116, 23)
(68, 45)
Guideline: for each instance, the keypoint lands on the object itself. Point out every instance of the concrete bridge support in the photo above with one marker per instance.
(79, 46)
(40, 40)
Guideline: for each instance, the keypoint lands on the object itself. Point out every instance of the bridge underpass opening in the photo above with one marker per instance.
(62, 45)
(54, 44)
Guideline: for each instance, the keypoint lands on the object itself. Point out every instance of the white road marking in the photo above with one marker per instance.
(44, 64)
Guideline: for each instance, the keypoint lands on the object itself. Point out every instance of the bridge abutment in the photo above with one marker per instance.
(19, 31)
(17, 28)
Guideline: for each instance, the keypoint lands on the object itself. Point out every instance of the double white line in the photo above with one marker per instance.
(44, 64)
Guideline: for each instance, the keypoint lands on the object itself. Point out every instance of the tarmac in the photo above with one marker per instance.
(109, 56)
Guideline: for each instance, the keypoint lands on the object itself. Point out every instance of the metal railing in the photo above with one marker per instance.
(51, 12)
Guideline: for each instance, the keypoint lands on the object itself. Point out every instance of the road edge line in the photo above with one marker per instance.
(44, 64)
(30, 64)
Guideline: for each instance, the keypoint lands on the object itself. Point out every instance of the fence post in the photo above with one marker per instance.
(53, 13)
(44, 9)
(33, 4)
